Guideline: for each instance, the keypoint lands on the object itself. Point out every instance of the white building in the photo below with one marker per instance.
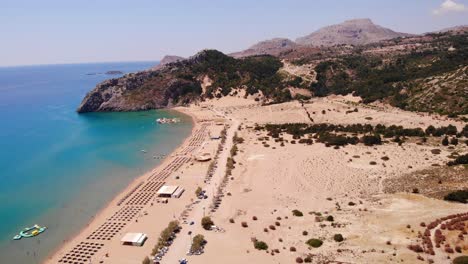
(134, 239)
(169, 191)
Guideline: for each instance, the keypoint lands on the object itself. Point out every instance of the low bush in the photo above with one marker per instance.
(260, 245)
(460, 196)
(206, 222)
(463, 159)
(445, 141)
(146, 260)
(314, 242)
(330, 218)
(198, 191)
(338, 237)
(460, 260)
(296, 212)
(244, 224)
(371, 140)
(454, 141)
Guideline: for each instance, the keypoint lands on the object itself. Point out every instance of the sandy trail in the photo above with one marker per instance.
(181, 245)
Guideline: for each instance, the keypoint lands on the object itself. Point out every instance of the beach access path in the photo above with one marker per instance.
(182, 243)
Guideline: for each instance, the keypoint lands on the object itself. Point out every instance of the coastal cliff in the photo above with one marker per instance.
(152, 89)
(138, 91)
(179, 82)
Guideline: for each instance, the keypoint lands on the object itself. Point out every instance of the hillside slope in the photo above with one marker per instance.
(268, 47)
(180, 83)
(351, 32)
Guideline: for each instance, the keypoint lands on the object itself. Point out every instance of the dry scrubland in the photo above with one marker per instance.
(279, 199)
(378, 196)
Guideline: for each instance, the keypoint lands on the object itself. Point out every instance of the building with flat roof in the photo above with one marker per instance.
(170, 191)
(134, 239)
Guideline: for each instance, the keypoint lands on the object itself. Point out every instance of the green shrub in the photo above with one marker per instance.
(314, 242)
(198, 191)
(460, 196)
(206, 222)
(338, 237)
(296, 212)
(330, 218)
(463, 159)
(146, 260)
(460, 260)
(371, 140)
(197, 243)
(445, 141)
(260, 245)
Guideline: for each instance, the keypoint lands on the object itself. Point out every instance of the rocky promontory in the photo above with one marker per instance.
(179, 82)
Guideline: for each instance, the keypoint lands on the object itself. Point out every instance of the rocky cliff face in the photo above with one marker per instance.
(180, 82)
(153, 89)
(351, 32)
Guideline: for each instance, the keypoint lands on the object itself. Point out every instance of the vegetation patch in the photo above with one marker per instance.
(338, 237)
(460, 196)
(206, 223)
(296, 212)
(314, 242)
(198, 242)
(260, 245)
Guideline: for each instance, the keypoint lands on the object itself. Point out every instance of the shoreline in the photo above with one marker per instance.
(133, 184)
(340, 188)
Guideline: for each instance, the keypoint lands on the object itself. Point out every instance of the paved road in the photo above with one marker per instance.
(181, 245)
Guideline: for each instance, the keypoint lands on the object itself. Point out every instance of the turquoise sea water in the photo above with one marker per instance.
(58, 168)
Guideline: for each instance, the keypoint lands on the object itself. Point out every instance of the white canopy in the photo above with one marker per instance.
(136, 239)
(167, 190)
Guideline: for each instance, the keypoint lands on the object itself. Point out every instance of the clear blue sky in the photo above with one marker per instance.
(71, 31)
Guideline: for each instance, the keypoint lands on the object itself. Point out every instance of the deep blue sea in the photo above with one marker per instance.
(59, 168)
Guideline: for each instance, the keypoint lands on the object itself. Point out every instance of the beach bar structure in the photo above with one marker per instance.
(134, 239)
(170, 191)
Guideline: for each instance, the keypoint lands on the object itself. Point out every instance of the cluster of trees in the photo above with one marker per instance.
(298, 130)
(166, 236)
(463, 159)
(372, 79)
(331, 139)
(198, 242)
(256, 73)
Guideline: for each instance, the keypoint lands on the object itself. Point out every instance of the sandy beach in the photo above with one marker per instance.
(339, 191)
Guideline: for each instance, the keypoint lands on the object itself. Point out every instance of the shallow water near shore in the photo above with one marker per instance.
(59, 168)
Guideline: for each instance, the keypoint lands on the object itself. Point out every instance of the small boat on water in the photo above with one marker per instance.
(30, 232)
(167, 120)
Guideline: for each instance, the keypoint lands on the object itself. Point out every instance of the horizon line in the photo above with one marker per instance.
(76, 63)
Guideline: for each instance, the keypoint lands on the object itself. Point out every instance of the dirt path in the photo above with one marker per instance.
(181, 245)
